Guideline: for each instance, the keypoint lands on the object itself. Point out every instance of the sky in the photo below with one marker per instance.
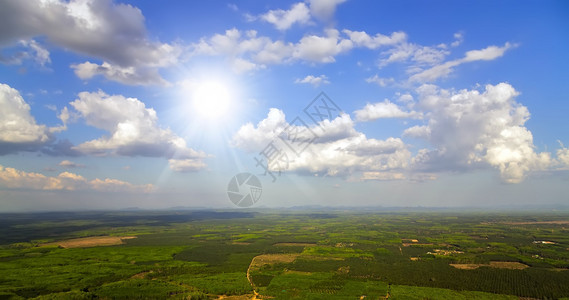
(108, 104)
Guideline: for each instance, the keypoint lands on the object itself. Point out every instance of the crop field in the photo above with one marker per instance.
(285, 255)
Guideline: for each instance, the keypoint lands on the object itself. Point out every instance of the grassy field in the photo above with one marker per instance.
(334, 255)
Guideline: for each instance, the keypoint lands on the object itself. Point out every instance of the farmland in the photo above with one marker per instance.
(284, 255)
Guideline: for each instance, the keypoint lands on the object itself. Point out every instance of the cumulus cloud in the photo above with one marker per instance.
(253, 138)
(382, 110)
(322, 49)
(362, 39)
(380, 81)
(314, 80)
(458, 39)
(40, 55)
(299, 13)
(274, 52)
(245, 51)
(112, 32)
(284, 19)
(70, 164)
(259, 50)
(27, 49)
(444, 69)
(324, 9)
(240, 65)
(186, 165)
(133, 129)
(17, 179)
(338, 150)
(64, 116)
(563, 157)
(469, 128)
(465, 130)
(126, 75)
(382, 176)
(61, 148)
(418, 55)
(18, 128)
(418, 132)
(248, 49)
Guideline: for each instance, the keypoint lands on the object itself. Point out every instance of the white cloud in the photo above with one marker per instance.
(284, 19)
(417, 131)
(17, 179)
(27, 49)
(382, 176)
(324, 9)
(262, 50)
(248, 51)
(314, 80)
(443, 70)
(322, 49)
(41, 55)
(251, 138)
(488, 53)
(245, 52)
(126, 75)
(465, 130)
(380, 81)
(563, 157)
(470, 128)
(458, 39)
(70, 164)
(227, 43)
(274, 52)
(362, 39)
(240, 65)
(64, 116)
(382, 110)
(133, 129)
(339, 150)
(112, 32)
(418, 55)
(186, 165)
(18, 128)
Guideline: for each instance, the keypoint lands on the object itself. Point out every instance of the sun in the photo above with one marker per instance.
(211, 99)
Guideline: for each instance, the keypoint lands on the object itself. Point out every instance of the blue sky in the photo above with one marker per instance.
(115, 104)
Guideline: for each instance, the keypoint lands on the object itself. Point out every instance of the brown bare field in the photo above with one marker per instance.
(410, 240)
(493, 264)
(93, 241)
(295, 244)
(416, 244)
(321, 258)
(240, 243)
(445, 252)
(467, 266)
(237, 297)
(267, 259)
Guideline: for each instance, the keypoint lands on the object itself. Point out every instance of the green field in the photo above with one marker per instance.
(332, 255)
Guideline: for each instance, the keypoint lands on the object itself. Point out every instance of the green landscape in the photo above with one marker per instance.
(284, 255)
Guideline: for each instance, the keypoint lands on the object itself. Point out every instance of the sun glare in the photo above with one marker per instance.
(211, 99)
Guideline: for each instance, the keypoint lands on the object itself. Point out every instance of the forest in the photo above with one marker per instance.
(267, 254)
